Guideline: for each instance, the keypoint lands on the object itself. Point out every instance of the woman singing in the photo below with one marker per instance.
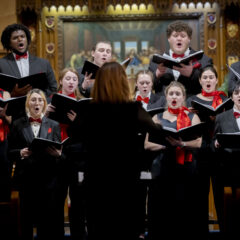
(38, 171)
(173, 193)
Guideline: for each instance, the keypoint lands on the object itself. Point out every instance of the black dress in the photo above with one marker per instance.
(173, 195)
(109, 134)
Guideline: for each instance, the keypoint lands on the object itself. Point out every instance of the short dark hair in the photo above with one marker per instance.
(179, 26)
(233, 88)
(7, 32)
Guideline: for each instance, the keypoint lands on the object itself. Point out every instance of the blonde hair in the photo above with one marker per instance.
(111, 84)
(61, 76)
(175, 84)
(41, 93)
(179, 85)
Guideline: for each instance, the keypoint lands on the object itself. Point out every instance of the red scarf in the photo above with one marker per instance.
(63, 126)
(183, 121)
(217, 100)
(4, 129)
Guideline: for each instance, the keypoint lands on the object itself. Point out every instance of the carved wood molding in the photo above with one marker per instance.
(99, 5)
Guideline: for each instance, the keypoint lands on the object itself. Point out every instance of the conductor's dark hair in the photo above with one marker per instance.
(179, 26)
(7, 32)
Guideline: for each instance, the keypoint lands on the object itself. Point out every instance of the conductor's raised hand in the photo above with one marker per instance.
(17, 92)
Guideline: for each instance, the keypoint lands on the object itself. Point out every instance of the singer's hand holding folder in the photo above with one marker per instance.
(185, 134)
(64, 104)
(40, 144)
(211, 111)
(14, 104)
(90, 67)
(170, 62)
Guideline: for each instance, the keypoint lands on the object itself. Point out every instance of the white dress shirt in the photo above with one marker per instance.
(143, 103)
(23, 65)
(176, 73)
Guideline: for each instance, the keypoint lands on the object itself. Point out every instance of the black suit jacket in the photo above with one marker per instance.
(39, 164)
(226, 123)
(191, 83)
(9, 66)
(153, 99)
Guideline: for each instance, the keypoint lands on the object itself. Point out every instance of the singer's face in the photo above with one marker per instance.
(208, 81)
(69, 83)
(102, 53)
(179, 42)
(36, 104)
(144, 84)
(175, 97)
(236, 98)
(18, 41)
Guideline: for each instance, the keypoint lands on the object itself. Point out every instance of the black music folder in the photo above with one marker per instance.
(11, 101)
(155, 111)
(90, 67)
(229, 140)
(15, 104)
(40, 144)
(64, 104)
(170, 62)
(38, 80)
(185, 134)
(209, 110)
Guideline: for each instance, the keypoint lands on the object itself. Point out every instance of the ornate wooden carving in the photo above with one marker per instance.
(99, 5)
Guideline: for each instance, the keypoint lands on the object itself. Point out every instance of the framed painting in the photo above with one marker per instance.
(131, 36)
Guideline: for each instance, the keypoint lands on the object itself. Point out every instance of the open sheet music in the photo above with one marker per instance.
(170, 62)
(211, 111)
(185, 134)
(64, 104)
(39, 144)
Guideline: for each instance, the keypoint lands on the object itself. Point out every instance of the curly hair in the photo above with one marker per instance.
(179, 26)
(7, 32)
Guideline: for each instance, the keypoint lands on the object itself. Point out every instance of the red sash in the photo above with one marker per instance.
(4, 129)
(182, 155)
(216, 97)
